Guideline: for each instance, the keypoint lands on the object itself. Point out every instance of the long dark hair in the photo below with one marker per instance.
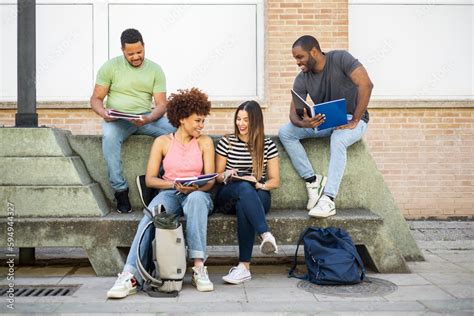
(256, 141)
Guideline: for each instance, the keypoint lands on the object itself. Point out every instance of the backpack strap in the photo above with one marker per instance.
(351, 250)
(141, 269)
(153, 292)
(291, 272)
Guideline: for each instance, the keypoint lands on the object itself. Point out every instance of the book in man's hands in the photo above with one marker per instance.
(334, 111)
(199, 180)
(127, 116)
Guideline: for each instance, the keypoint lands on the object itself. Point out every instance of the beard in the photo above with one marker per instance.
(134, 65)
(311, 64)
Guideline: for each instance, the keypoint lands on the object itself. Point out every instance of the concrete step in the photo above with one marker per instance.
(55, 201)
(53, 171)
(103, 237)
(34, 142)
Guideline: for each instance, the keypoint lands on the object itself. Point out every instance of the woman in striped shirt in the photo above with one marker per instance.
(253, 158)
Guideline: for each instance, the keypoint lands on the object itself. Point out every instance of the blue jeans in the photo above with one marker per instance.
(290, 136)
(250, 206)
(115, 133)
(195, 207)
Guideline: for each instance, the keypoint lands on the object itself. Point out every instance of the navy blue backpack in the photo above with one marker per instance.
(330, 256)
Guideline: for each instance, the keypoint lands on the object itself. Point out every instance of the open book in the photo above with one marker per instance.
(243, 178)
(127, 116)
(240, 176)
(335, 111)
(199, 180)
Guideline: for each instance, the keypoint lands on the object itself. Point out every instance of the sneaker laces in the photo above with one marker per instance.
(124, 277)
(237, 272)
(202, 272)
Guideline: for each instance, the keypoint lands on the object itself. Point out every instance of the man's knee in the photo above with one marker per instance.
(343, 138)
(285, 132)
(112, 136)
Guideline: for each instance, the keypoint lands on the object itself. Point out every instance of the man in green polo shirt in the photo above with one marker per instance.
(129, 82)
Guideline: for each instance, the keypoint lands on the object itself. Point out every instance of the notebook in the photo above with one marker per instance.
(127, 116)
(335, 111)
(199, 180)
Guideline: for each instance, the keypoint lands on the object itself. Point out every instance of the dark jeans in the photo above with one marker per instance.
(250, 206)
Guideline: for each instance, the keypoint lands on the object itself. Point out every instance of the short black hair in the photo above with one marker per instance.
(307, 42)
(131, 36)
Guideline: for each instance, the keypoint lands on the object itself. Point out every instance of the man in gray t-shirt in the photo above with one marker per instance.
(326, 77)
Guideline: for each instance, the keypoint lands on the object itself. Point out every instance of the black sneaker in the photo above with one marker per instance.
(123, 203)
(146, 194)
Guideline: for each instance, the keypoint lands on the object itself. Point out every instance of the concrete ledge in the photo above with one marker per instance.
(101, 237)
(34, 142)
(54, 171)
(381, 228)
(55, 201)
(362, 186)
(40, 177)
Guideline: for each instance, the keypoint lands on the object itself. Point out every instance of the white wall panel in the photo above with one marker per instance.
(64, 52)
(213, 46)
(420, 51)
(8, 49)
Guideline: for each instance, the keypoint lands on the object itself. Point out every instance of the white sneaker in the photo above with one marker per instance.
(325, 208)
(237, 275)
(268, 244)
(315, 190)
(201, 279)
(124, 286)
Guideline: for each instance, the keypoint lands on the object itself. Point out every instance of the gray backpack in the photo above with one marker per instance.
(165, 278)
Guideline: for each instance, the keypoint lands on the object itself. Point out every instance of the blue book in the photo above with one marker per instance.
(335, 111)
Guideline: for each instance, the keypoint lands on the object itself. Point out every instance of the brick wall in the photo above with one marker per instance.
(425, 154)
(427, 159)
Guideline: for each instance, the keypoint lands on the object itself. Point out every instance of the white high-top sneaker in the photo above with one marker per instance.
(315, 190)
(325, 208)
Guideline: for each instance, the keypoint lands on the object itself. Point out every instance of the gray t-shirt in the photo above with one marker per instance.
(332, 83)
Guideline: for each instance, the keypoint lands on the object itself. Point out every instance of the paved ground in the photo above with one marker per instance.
(443, 284)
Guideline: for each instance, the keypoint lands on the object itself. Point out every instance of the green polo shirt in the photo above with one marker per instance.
(131, 89)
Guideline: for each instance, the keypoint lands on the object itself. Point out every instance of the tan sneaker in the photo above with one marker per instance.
(124, 286)
(201, 279)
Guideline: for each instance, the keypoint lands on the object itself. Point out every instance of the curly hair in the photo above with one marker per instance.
(185, 103)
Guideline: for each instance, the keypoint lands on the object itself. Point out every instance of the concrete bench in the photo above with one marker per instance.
(57, 184)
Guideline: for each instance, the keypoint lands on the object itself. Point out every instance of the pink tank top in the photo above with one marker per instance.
(182, 160)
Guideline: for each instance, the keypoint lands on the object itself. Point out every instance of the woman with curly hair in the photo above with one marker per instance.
(186, 153)
(253, 157)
